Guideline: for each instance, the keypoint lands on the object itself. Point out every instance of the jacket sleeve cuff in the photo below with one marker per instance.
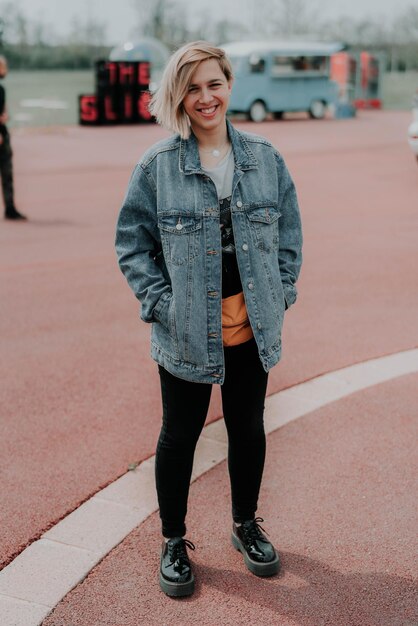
(290, 295)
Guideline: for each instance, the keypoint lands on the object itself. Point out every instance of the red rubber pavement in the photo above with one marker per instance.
(337, 502)
(79, 396)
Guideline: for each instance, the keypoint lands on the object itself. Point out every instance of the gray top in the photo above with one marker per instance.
(223, 174)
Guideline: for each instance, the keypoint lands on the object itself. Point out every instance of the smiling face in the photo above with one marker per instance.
(207, 99)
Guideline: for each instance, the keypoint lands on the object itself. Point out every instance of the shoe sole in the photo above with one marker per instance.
(259, 569)
(177, 590)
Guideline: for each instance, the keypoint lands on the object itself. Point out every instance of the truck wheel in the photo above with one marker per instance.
(258, 111)
(317, 109)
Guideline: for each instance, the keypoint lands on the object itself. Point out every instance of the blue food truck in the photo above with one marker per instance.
(278, 76)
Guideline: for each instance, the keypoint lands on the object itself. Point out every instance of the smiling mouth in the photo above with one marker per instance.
(209, 110)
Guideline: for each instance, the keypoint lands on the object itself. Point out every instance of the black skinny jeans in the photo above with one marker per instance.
(185, 407)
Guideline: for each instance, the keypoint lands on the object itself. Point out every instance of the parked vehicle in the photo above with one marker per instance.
(413, 128)
(368, 89)
(274, 77)
(359, 76)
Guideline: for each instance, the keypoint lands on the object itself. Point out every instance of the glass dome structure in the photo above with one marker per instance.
(144, 49)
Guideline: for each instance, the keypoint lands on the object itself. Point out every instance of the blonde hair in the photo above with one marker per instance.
(166, 104)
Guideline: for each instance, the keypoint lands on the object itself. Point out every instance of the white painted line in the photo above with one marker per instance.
(35, 581)
(43, 103)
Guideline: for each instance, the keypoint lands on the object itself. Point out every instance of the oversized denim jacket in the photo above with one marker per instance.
(168, 243)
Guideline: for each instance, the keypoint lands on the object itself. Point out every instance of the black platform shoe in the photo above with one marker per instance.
(176, 576)
(259, 554)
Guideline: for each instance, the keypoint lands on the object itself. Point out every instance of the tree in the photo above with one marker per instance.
(282, 18)
(154, 17)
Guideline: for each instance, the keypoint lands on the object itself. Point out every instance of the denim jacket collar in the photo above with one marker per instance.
(243, 155)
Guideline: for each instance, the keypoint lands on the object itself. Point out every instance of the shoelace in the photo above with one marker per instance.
(253, 531)
(178, 550)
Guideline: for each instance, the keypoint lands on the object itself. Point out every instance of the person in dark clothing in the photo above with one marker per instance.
(6, 166)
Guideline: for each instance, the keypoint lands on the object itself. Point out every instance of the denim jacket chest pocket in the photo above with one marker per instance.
(263, 221)
(180, 236)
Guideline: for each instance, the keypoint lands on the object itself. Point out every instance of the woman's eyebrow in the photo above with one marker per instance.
(213, 80)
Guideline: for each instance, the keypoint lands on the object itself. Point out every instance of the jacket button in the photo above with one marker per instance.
(258, 325)
(179, 226)
(250, 286)
(245, 246)
(239, 204)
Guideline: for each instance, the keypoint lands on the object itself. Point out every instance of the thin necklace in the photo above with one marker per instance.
(215, 152)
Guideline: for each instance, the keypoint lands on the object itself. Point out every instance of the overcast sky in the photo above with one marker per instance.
(120, 17)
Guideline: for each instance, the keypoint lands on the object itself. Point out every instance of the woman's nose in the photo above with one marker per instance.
(205, 96)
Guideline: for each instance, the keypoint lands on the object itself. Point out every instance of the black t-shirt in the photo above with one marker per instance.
(231, 281)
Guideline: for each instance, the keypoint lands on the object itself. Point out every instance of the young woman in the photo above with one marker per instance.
(209, 239)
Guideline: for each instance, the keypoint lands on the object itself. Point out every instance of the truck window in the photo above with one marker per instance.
(257, 64)
(283, 65)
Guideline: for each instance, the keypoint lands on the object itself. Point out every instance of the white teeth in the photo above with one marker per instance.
(211, 110)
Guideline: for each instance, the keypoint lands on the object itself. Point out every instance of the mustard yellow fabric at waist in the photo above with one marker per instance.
(236, 327)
